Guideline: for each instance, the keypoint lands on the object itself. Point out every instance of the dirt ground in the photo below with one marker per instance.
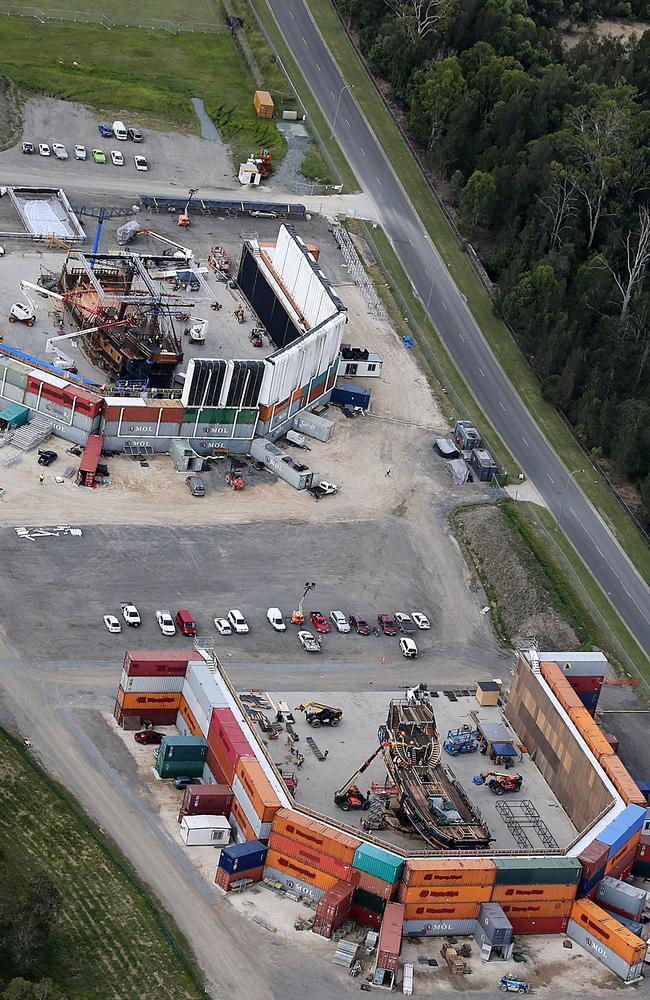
(608, 27)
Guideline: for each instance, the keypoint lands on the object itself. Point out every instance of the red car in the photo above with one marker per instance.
(318, 620)
(148, 736)
(360, 625)
(387, 625)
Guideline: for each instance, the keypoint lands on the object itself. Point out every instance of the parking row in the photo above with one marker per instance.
(60, 152)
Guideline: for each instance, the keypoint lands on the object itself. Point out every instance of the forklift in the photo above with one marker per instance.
(234, 478)
(499, 783)
(320, 715)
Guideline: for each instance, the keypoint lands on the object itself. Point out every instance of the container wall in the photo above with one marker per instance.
(609, 931)
(257, 787)
(621, 967)
(316, 859)
(379, 862)
(532, 893)
(148, 685)
(439, 928)
(312, 833)
(441, 911)
(457, 894)
(293, 884)
(299, 870)
(449, 872)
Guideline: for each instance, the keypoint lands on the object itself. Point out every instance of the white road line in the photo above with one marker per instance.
(378, 181)
(348, 123)
(444, 304)
(317, 67)
(551, 478)
(593, 541)
(363, 150)
(525, 441)
(292, 14)
(305, 40)
(462, 338)
(482, 372)
(502, 406)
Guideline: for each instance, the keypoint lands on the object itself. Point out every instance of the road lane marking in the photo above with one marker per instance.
(525, 441)
(348, 123)
(551, 478)
(482, 372)
(317, 67)
(377, 179)
(292, 14)
(462, 338)
(363, 150)
(593, 542)
(444, 304)
(502, 406)
(305, 40)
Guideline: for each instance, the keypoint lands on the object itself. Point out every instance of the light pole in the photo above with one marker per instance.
(566, 490)
(338, 105)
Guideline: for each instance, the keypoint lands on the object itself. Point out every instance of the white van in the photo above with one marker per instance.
(119, 130)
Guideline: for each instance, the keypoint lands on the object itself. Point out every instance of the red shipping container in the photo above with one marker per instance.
(215, 767)
(593, 858)
(620, 864)
(157, 664)
(390, 936)
(538, 925)
(643, 850)
(588, 684)
(312, 857)
(323, 926)
(377, 886)
(336, 900)
(225, 879)
(365, 917)
(156, 716)
(206, 800)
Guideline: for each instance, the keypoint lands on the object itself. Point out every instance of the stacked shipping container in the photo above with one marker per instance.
(607, 939)
(150, 687)
(241, 861)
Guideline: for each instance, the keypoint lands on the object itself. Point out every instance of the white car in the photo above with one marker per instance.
(340, 622)
(131, 615)
(59, 151)
(238, 622)
(408, 648)
(404, 622)
(44, 149)
(140, 163)
(308, 642)
(165, 622)
(112, 624)
(117, 158)
(420, 620)
(80, 153)
(223, 626)
(329, 488)
(276, 620)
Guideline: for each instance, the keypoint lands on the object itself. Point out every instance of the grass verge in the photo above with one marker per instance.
(110, 940)
(500, 340)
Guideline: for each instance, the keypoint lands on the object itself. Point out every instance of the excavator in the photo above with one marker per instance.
(498, 782)
(320, 715)
(349, 796)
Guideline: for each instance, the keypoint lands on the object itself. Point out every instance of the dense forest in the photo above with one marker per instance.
(545, 152)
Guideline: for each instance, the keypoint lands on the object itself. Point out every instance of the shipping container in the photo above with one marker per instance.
(446, 894)
(641, 867)
(261, 830)
(183, 748)
(617, 833)
(299, 870)
(323, 862)
(227, 739)
(588, 887)
(609, 931)
(378, 886)
(203, 684)
(390, 937)
(366, 918)
(189, 725)
(211, 777)
(534, 871)
(369, 901)
(494, 924)
(560, 686)
(578, 664)
(257, 786)
(293, 884)
(336, 901)
(351, 395)
(240, 857)
(194, 714)
(205, 831)
(554, 908)
(313, 833)
(238, 834)
(206, 800)
(226, 879)
(313, 426)
(636, 926)
(623, 782)
(136, 684)
(263, 103)
(627, 971)
(144, 702)
(593, 858)
(590, 732)
(238, 815)
(618, 866)
(441, 911)
(539, 925)
(432, 871)
(172, 768)
(152, 717)
(152, 664)
(379, 862)
(626, 899)
(213, 766)
(439, 928)
(511, 893)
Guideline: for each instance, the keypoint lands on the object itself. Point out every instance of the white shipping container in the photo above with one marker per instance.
(627, 898)
(237, 832)
(205, 831)
(439, 928)
(294, 884)
(205, 688)
(155, 685)
(209, 778)
(628, 973)
(183, 727)
(261, 830)
(196, 710)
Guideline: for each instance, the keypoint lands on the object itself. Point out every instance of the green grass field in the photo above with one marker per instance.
(126, 12)
(109, 941)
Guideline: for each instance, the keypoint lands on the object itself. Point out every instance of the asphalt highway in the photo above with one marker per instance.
(435, 285)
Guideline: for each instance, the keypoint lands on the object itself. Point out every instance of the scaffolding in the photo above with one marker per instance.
(522, 816)
(357, 272)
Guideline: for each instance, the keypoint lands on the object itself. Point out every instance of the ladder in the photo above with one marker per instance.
(311, 743)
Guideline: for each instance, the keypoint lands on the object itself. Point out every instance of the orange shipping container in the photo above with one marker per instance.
(622, 858)
(315, 859)
(511, 893)
(148, 700)
(608, 930)
(258, 788)
(295, 826)
(555, 908)
(190, 718)
(446, 894)
(432, 871)
(623, 782)
(560, 686)
(263, 103)
(441, 911)
(590, 732)
(239, 814)
(300, 870)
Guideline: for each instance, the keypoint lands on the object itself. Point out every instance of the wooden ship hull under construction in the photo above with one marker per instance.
(431, 798)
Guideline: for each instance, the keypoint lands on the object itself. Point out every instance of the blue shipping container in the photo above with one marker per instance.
(587, 884)
(589, 699)
(632, 925)
(351, 395)
(622, 828)
(241, 857)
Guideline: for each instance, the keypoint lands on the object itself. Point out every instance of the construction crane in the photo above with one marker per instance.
(298, 618)
(349, 796)
(102, 213)
(320, 715)
(498, 782)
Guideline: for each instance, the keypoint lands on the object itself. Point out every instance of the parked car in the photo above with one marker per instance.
(196, 486)
(420, 620)
(59, 151)
(80, 153)
(276, 619)
(319, 621)
(185, 622)
(117, 158)
(46, 457)
(223, 626)
(148, 736)
(408, 648)
(165, 622)
(238, 622)
(105, 130)
(28, 147)
(131, 615)
(182, 781)
(308, 642)
(360, 625)
(141, 162)
(111, 623)
(339, 621)
(404, 622)
(99, 156)
(387, 625)
(134, 134)
(44, 149)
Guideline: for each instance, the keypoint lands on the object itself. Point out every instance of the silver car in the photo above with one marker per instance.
(339, 621)
(196, 486)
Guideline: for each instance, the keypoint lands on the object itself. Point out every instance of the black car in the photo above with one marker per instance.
(46, 457)
(182, 782)
(134, 134)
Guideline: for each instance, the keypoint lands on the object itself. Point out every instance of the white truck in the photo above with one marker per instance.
(131, 615)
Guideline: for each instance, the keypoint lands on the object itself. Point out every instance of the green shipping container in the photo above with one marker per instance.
(183, 748)
(376, 861)
(176, 768)
(537, 871)
(369, 901)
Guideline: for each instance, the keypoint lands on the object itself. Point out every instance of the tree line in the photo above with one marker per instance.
(545, 154)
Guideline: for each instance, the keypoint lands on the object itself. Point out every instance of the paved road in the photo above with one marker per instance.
(452, 318)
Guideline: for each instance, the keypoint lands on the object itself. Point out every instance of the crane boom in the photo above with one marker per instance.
(340, 793)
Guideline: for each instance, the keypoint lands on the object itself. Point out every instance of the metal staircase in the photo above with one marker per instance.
(30, 435)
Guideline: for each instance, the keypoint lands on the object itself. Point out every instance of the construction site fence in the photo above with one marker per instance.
(134, 20)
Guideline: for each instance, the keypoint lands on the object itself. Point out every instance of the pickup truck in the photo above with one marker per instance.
(324, 490)
(131, 615)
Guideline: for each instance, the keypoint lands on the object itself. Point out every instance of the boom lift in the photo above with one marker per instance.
(349, 796)
(320, 715)
(499, 783)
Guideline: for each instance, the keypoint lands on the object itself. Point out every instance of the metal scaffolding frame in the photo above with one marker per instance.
(357, 272)
(522, 816)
